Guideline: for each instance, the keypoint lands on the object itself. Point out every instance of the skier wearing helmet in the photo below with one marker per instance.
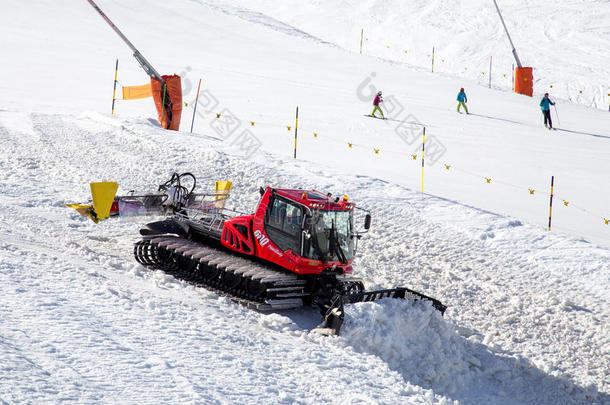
(462, 100)
(378, 99)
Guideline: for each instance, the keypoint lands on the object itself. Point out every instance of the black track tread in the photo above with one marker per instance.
(185, 259)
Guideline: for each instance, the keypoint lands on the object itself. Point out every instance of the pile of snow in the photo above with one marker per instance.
(429, 351)
(413, 338)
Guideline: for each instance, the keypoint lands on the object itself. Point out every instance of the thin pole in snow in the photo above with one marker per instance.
(432, 59)
(361, 36)
(422, 159)
(296, 127)
(116, 71)
(490, 58)
(551, 201)
(195, 109)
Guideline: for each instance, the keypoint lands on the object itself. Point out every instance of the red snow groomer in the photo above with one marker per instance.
(296, 249)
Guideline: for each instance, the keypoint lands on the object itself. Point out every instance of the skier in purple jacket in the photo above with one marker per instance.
(378, 99)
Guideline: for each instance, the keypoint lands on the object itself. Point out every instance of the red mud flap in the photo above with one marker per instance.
(335, 314)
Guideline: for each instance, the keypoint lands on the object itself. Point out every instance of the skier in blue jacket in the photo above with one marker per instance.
(545, 104)
(462, 100)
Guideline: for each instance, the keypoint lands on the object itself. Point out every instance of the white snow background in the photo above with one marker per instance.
(528, 316)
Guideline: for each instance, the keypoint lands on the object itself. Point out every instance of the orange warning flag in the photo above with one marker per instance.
(136, 92)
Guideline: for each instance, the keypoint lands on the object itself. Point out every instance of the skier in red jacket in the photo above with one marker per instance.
(378, 99)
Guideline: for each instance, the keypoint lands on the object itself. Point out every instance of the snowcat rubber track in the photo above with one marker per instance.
(248, 283)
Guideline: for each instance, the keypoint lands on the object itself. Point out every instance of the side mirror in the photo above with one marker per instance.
(367, 221)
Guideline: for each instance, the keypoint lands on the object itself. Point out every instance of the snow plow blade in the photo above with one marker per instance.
(333, 320)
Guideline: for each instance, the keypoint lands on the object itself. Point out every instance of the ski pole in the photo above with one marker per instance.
(555, 107)
(381, 102)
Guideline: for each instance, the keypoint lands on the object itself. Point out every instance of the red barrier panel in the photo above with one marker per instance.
(524, 81)
(169, 117)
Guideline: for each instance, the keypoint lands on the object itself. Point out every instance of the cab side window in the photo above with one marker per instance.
(283, 221)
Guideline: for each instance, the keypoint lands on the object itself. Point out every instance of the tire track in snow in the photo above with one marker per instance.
(477, 276)
(116, 327)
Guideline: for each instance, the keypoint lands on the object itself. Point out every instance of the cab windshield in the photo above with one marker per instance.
(330, 236)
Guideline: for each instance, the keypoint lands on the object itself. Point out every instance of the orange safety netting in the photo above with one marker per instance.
(169, 117)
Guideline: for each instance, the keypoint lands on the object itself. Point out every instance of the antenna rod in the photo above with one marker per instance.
(508, 35)
(136, 54)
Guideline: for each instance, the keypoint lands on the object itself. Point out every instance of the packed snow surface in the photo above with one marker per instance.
(528, 310)
(566, 43)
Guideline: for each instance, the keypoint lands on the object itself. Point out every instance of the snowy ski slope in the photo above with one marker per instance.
(82, 322)
(565, 42)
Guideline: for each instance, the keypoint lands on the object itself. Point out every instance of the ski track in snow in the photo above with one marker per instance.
(256, 17)
(82, 322)
(566, 44)
(100, 323)
(528, 316)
